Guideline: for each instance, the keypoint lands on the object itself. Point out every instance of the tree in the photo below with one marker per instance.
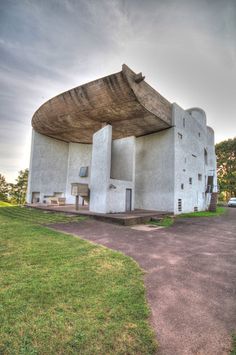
(18, 190)
(3, 188)
(226, 167)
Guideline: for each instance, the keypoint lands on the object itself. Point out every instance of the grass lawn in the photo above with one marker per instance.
(62, 295)
(168, 221)
(219, 211)
(164, 222)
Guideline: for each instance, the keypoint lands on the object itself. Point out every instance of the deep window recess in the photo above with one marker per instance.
(190, 181)
(180, 205)
(205, 156)
(182, 186)
(209, 184)
(199, 177)
(180, 136)
(183, 122)
(199, 134)
(193, 155)
(195, 209)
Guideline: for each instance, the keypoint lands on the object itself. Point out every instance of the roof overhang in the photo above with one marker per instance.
(123, 100)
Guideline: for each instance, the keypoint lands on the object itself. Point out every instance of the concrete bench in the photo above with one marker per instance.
(60, 201)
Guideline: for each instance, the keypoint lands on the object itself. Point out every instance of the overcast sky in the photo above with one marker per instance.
(185, 49)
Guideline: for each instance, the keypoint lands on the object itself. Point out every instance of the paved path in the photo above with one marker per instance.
(190, 278)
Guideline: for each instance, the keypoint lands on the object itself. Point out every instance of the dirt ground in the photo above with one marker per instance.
(190, 278)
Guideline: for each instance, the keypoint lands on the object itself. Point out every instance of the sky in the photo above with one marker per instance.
(185, 48)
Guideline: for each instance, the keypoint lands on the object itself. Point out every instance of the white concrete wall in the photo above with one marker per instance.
(79, 155)
(154, 176)
(154, 166)
(48, 166)
(190, 140)
(117, 196)
(212, 168)
(123, 158)
(122, 173)
(107, 195)
(100, 170)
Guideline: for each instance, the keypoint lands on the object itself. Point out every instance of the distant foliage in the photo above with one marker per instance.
(226, 167)
(14, 193)
(17, 191)
(3, 188)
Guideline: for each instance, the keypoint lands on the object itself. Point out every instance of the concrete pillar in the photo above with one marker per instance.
(100, 170)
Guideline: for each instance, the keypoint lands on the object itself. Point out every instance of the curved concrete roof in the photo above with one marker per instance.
(123, 99)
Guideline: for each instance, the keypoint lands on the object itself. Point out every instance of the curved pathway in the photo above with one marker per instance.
(190, 278)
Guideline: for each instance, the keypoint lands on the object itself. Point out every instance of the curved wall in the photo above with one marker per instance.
(48, 166)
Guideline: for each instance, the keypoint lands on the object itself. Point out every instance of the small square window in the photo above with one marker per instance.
(83, 171)
(190, 181)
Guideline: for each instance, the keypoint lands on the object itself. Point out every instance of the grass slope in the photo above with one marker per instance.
(4, 204)
(63, 295)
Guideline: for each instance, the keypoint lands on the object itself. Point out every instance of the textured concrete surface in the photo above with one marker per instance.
(190, 278)
(132, 107)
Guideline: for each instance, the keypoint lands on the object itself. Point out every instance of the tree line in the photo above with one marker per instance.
(14, 193)
(226, 168)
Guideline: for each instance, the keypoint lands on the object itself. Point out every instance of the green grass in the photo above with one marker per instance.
(62, 295)
(35, 216)
(219, 211)
(165, 222)
(4, 204)
(233, 350)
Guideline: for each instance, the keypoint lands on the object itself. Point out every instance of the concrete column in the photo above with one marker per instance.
(100, 170)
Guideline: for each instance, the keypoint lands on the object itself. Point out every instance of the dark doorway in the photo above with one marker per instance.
(128, 200)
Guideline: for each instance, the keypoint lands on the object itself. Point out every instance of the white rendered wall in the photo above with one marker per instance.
(108, 195)
(154, 176)
(211, 168)
(48, 166)
(190, 140)
(122, 173)
(117, 195)
(100, 170)
(123, 158)
(79, 155)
